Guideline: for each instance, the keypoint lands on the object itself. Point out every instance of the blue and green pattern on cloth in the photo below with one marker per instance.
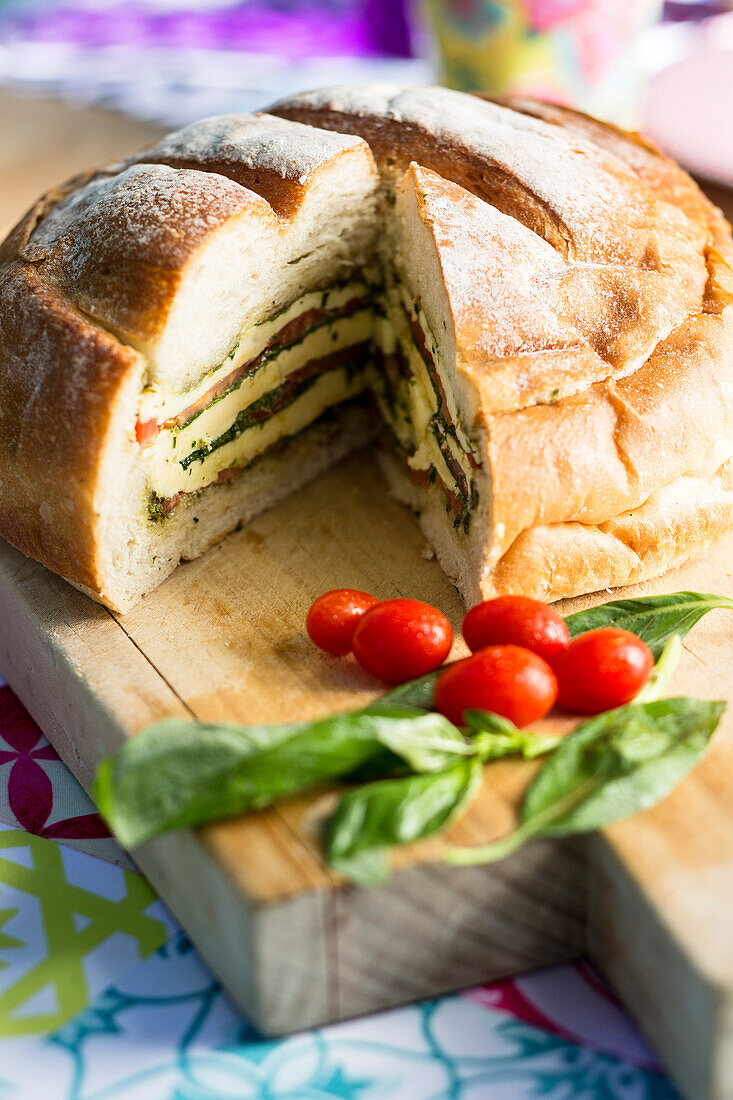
(103, 998)
(61, 914)
(165, 1030)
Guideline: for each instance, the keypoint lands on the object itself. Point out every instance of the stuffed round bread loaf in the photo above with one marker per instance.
(542, 306)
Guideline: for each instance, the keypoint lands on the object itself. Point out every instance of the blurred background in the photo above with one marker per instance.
(664, 67)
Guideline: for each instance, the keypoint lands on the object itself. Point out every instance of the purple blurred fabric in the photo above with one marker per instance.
(679, 11)
(292, 28)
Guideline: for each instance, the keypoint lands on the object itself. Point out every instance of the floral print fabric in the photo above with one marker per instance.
(28, 788)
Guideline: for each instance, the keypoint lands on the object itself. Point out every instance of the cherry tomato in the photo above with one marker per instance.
(332, 618)
(505, 679)
(602, 669)
(402, 639)
(516, 620)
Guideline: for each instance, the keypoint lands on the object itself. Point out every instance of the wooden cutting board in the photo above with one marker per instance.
(651, 899)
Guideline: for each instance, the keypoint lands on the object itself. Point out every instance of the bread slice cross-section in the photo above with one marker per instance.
(526, 477)
(540, 305)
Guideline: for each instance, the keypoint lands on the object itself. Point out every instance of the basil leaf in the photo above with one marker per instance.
(427, 742)
(631, 757)
(368, 868)
(179, 772)
(495, 737)
(383, 765)
(397, 811)
(176, 771)
(654, 618)
(415, 693)
(612, 766)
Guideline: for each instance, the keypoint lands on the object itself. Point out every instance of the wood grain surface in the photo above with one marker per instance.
(45, 142)
(652, 897)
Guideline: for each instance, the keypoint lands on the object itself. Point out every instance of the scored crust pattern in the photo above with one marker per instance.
(586, 287)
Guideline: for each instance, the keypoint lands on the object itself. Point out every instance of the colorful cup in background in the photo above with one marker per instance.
(578, 52)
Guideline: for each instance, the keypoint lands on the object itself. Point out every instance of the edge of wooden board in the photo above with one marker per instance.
(660, 915)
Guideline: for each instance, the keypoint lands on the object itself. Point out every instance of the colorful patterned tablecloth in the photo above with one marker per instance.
(102, 996)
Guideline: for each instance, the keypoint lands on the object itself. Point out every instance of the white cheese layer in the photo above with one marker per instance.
(418, 401)
(414, 421)
(163, 405)
(164, 456)
(328, 389)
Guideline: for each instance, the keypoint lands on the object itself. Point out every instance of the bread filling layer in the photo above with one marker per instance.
(417, 402)
(318, 357)
(256, 346)
(320, 351)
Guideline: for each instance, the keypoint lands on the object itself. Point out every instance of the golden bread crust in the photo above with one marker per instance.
(531, 325)
(606, 450)
(117, 245)
(668, 181)
(88, 273)
(679, 521)
(580, 197)
(117, 242)
(277, 160)
(60, 383)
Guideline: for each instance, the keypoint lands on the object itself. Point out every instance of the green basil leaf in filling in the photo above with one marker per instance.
(269, 353)
(276, 400)
(254, 414)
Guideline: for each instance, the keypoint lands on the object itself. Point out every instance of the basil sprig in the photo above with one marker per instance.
(370, 820)
(495, 737)
(610, 767)
(654, 618)
(179, 772)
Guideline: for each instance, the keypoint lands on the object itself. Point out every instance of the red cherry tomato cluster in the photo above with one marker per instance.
(396, 640)
(522, 662)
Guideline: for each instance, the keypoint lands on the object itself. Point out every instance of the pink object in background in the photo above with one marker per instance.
(543, 15)
(574, 1003)
(690, 103)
